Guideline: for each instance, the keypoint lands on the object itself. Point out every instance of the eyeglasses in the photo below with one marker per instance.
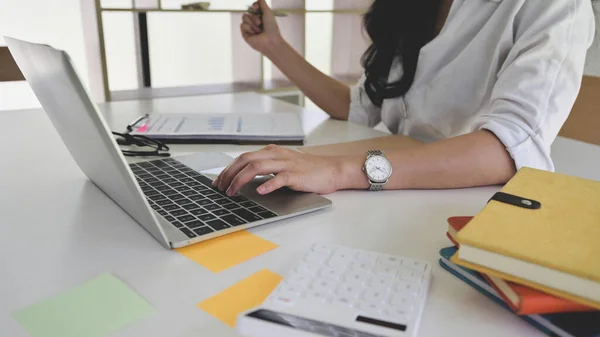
(155, 147)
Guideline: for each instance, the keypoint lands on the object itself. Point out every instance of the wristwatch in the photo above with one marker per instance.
(378, 169)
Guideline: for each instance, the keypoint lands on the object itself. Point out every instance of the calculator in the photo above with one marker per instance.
(338, 292)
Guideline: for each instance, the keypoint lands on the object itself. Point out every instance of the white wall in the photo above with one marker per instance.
(55, 22)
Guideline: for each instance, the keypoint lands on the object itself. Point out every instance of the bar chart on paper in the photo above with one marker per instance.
(256, 127)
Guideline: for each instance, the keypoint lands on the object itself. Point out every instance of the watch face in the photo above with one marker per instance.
(378, 168)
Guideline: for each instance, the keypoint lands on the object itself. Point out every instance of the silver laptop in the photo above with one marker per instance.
(169, 197)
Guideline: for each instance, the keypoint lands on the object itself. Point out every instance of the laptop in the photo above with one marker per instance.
(168, 197)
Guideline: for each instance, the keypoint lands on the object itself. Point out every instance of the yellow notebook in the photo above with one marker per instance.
(555, 248)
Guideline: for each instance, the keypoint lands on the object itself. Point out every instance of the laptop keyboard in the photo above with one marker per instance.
(186, 199)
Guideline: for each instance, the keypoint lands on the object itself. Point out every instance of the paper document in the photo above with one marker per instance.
(260, 126)
(96, 308)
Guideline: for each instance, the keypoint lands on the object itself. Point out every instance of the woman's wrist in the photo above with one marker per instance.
(274, 47)
(349, 174)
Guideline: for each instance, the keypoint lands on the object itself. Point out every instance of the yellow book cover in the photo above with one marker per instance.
(556, 246)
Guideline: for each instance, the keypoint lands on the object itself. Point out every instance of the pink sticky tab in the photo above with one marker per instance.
(142, 128)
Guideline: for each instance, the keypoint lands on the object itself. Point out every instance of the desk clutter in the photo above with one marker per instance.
(105, 304)
(532, 250)
(539, 262)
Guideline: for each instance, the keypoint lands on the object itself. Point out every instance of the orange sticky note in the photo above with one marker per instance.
(227, 251)
(245, 295)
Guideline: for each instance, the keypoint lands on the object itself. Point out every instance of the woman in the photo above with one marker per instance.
(487, 84)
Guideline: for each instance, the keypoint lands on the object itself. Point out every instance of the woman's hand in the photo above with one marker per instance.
(261, 38)
(296, 170)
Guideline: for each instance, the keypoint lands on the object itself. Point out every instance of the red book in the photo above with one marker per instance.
(522, 300)
(455, 224)
(528, 301)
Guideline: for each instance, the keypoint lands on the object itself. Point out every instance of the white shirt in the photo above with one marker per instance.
(513, 67)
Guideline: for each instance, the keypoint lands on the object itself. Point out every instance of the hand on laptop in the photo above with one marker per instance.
(296, 170)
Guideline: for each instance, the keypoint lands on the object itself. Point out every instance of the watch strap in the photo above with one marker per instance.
(371, 153)
(375, 187)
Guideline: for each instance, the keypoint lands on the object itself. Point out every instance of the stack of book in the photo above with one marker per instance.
(535, 249)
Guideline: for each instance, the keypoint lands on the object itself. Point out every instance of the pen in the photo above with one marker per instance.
(135, 122)
(259, 13)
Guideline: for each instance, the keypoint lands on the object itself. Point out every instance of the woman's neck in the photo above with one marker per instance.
(445, 6)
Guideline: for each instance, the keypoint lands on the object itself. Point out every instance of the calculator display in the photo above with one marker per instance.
(317, 327)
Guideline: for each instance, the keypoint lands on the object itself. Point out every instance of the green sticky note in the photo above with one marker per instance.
(93, 309)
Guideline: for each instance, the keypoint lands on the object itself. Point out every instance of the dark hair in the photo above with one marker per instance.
(398, 29)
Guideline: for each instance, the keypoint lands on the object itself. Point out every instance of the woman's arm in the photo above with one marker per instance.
(475, 159)
(329, 94)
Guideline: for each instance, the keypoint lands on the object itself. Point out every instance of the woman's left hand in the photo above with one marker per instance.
(298, 171)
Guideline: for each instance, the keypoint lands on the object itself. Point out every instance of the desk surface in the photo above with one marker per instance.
(58, 230)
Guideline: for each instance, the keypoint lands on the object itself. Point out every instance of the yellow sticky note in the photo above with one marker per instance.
(227, 251)
(245, 295)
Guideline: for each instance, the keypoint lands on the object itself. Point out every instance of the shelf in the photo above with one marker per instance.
(208, 89)
(249, 72)
(286, 11)
(273, 86)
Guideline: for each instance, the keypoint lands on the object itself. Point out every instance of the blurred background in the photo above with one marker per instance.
(125, 49)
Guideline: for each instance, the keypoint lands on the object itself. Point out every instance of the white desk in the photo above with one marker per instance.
(59, 230)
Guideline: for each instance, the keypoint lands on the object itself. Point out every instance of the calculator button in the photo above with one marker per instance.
(361, 266)
(317, 295)
(344, 254)
(410, 275)
(344, 302)
(368, 257)
(374, 295)
(391, 261)
(337, 262)
(323, 249)
(400, 311)
(385, 271)
(396, 315)
(356, 277)
(348, 290)
(321, 285)
(291, 291)
(298, 280)
(341, 258)
(414, 264)
(381, 282)
(407, 287)
(307, 268)
(402, 300)
(331, 273)
(316, 258)
(371, 308)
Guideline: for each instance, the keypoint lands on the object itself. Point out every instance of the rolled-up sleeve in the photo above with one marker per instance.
(362, 110)
(540, 80)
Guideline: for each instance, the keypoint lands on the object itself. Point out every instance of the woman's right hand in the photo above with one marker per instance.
(261, 38)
